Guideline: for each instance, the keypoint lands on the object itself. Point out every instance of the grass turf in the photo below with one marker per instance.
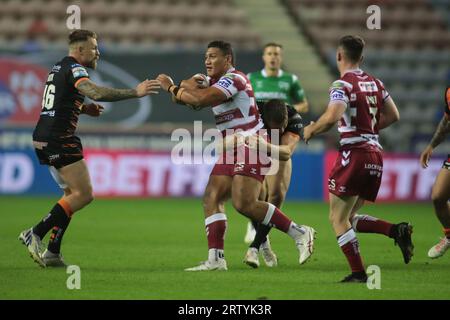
(137, 249)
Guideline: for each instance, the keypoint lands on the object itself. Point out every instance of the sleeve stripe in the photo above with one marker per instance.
(227, 93)
(80, 80)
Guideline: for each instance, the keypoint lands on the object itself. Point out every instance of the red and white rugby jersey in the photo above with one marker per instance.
(364, 96)
(239, 111)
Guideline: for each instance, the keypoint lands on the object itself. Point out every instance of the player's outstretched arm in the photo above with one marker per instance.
(439, 135)
(91, 109)
(302, 107)
(334, 112)
(98, 93)
(198, 98)
(389, 114)
(283, 151)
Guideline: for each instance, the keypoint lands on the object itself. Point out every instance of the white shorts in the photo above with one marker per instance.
(55, 174)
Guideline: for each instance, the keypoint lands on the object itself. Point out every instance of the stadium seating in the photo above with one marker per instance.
(147, 23)
(411, 52)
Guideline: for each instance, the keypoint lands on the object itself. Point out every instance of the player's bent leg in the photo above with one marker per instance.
(400, 232)
(76, 176)
(440, 195)
(340, 212)
(277, 186)
(252, 226)
(245, 191)
(71, 178)
(216, 193)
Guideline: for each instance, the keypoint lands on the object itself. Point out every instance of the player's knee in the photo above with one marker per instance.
(277, 197)
(85, 196)
(438, 197)
(209, 199)
(243, 205)
(335, 218)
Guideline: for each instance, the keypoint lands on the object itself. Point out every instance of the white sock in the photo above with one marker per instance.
(215, 254)
(295, 230)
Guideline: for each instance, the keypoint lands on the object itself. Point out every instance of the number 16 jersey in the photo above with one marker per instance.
(61, 101)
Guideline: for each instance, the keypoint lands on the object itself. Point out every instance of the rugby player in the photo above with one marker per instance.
(58, 147)
(361, 106)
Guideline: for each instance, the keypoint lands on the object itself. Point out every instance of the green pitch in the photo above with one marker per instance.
(137, 249)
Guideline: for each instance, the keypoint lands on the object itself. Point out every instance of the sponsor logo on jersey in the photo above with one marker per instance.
(56, 68)
(372, 166)
(48, 113)
(225, 82)
(337, 95)
(283, 85)
(79, 72)
(53, 157)
(368, 86)
(270, 95)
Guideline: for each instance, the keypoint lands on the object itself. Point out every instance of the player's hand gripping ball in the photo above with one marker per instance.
(202, 80)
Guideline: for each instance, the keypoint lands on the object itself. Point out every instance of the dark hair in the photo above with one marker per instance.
(225, 47)
(272, 44)
(353, 47)
(274, 112)
(81, 35)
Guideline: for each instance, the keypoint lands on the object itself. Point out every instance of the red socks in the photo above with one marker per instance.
(216, 226)
(274, 217)
(368, 224)
(350, 247)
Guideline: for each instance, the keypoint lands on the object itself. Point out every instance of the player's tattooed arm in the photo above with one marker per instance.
(440, 133)
(98, 93)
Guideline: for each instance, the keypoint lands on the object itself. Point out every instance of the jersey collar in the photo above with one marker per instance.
(357, 71)
(264, 73)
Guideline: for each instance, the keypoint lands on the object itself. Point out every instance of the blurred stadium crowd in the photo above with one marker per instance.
(410, 54)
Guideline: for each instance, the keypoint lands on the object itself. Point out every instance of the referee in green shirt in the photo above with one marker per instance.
(274, 83)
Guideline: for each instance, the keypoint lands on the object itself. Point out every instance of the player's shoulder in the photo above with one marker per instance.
(77, 69)
(287, 76)
(343, 83)
(291, 111)
(235, 76)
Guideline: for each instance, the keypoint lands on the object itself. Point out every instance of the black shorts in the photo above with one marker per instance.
(59, 153)
(446, 164)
